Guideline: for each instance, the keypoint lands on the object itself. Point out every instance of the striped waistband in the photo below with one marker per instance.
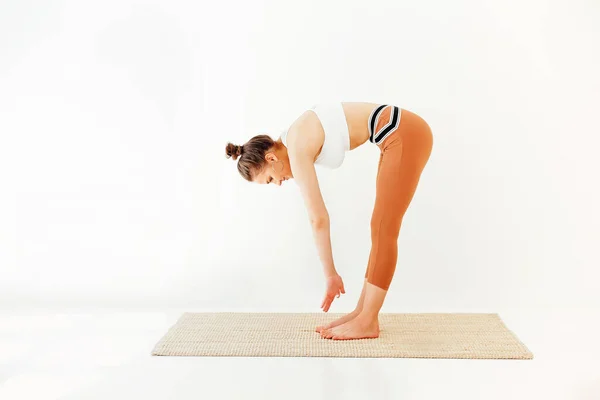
(381, 127)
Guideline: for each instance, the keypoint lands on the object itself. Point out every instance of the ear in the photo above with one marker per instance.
(271, 157)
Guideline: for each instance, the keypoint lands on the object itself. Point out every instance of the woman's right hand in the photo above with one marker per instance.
(335, 287)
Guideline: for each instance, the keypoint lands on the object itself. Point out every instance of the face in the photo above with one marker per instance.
(276, 171)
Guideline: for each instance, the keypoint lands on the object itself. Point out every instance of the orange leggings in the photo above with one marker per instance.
(405, 141)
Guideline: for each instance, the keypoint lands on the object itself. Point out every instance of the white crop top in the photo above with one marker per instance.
(337, 136)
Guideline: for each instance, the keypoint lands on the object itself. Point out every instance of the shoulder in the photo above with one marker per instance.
(303, 121)
(305, 134)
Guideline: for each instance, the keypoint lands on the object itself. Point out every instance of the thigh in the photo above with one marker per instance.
(400, 169)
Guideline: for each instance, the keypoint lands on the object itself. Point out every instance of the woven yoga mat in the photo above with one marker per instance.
(293, 335)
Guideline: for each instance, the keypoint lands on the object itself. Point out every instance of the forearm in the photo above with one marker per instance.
(321, 233)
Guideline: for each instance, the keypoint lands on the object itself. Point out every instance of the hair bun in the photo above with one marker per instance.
(233, 151)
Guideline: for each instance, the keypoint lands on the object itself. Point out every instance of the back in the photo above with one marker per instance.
(335, 128)
(357, 116)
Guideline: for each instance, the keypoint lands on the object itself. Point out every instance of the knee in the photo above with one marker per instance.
(389, 227)
(375, 222)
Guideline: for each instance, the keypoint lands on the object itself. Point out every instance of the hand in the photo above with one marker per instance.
(335, 286)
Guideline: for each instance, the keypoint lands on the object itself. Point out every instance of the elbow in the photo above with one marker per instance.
(319, 222)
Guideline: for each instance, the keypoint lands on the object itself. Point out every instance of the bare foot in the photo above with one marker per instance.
(357, 328)
(339, 321)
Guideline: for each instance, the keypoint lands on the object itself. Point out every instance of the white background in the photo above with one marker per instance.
(114, 116)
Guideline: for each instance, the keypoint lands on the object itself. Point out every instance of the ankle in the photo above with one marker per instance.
(368, 316)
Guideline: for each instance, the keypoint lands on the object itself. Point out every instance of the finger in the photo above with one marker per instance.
(343, 290)
(328, 304)
(324, 300)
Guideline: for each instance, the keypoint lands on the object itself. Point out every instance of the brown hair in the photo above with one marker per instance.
(251, 155)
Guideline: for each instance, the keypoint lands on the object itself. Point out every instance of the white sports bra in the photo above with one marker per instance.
(337, 136)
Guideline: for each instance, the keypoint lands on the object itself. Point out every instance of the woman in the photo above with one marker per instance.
(321, 136)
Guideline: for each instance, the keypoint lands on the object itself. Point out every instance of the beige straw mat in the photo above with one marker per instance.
(293, 335)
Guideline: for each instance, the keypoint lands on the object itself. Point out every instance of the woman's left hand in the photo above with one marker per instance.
(335, 287)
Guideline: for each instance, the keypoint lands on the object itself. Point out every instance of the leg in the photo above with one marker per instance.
(405, 155)
(359, 305)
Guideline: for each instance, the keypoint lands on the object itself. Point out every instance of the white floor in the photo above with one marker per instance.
(106, 355)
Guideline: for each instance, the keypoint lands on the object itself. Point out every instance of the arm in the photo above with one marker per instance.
(301, 155)
(306, 178)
